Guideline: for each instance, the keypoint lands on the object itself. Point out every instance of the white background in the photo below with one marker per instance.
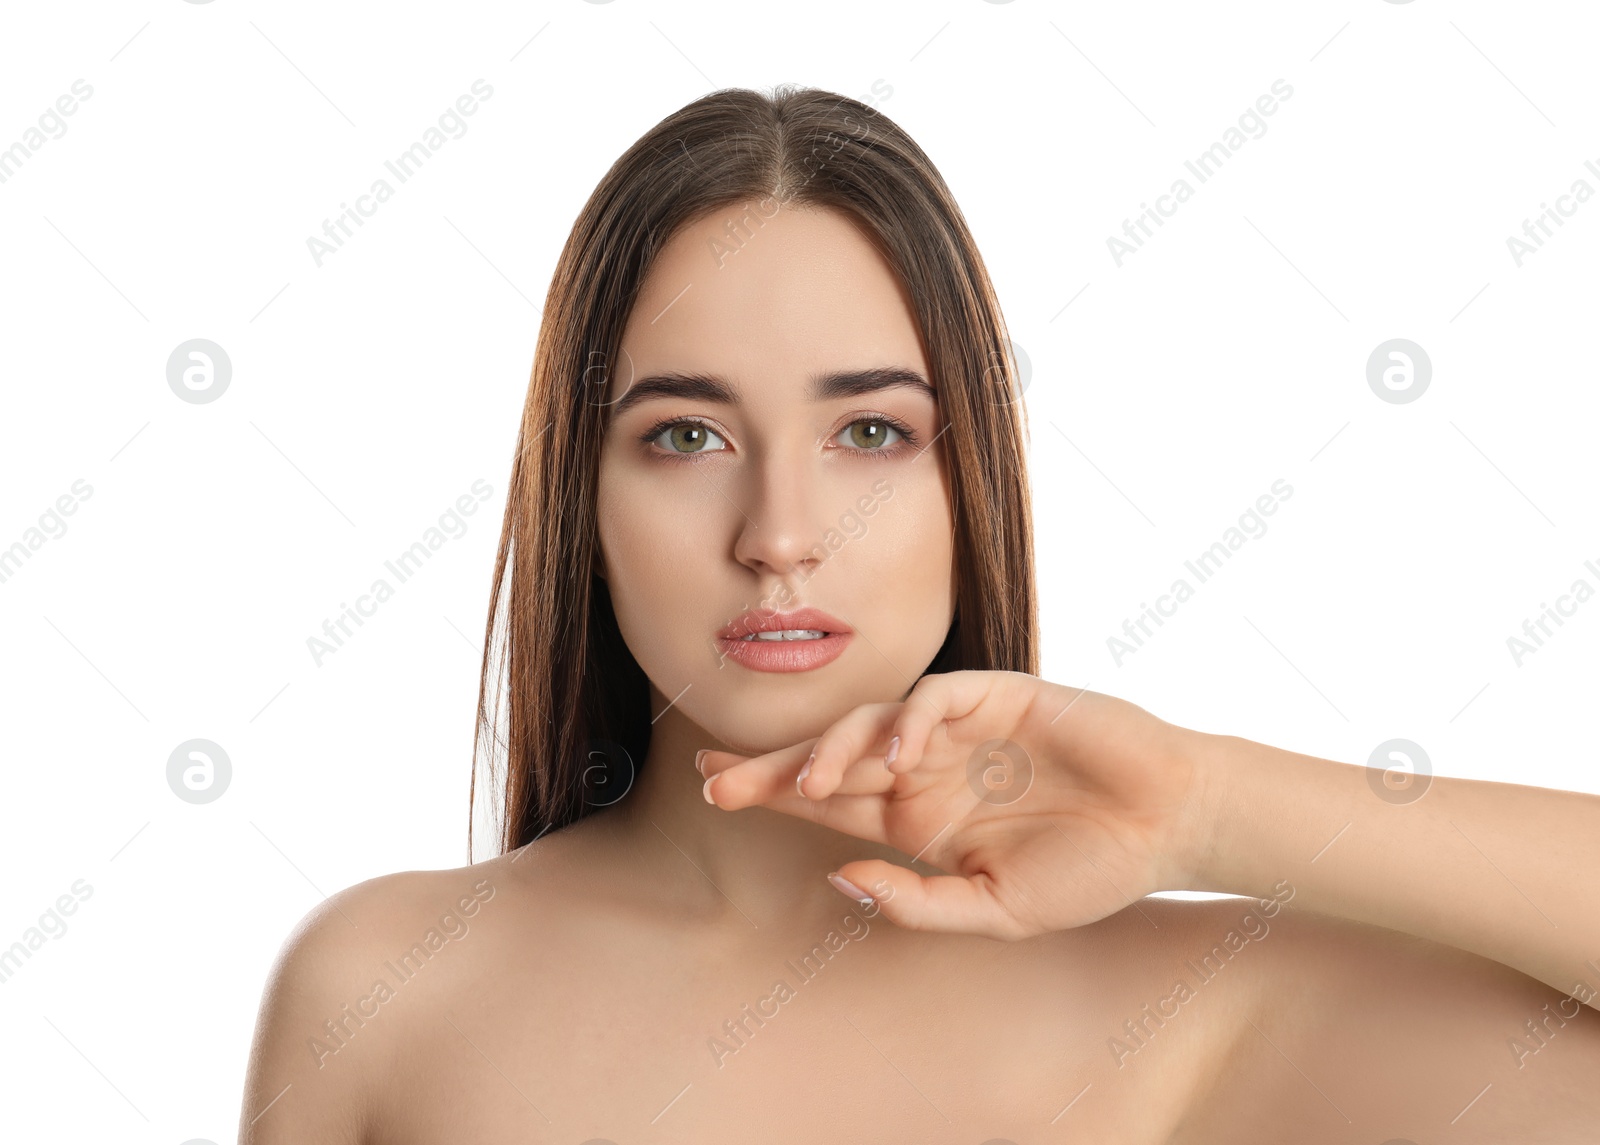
(369, 393)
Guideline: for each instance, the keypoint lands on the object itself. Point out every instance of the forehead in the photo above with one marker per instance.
(771, 302)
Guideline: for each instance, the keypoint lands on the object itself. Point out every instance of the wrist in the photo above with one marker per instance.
(1261, 809)
(1202, 758)
(1233, 787)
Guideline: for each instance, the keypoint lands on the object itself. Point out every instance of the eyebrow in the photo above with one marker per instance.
(824, 387)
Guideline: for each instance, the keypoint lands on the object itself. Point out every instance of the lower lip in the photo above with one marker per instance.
(785, 655)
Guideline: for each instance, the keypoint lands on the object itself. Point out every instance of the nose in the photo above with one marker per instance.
(780, 530)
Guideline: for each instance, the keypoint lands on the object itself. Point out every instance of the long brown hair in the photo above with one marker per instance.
(576, 703)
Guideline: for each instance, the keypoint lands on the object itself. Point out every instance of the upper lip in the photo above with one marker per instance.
(801, 618)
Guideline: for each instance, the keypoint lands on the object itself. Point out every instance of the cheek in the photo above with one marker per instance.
(909, 547)
(895, 564)
(655, 549)
(647, 515)
(906, 532)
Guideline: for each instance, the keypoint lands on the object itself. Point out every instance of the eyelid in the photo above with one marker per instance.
(897, 423)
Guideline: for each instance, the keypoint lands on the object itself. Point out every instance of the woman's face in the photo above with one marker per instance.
(735, 475)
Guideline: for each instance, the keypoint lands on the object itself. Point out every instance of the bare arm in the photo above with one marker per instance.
(1351, 1034)
(1095, 802)
(1505, 871)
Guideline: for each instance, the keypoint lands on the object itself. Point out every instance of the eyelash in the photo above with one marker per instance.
(908, 437)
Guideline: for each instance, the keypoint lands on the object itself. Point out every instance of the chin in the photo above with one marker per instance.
(764, 712)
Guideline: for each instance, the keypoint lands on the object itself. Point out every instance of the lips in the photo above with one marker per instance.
(801, 618)
(784, 655)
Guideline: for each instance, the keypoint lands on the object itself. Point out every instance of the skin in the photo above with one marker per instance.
(581, 984)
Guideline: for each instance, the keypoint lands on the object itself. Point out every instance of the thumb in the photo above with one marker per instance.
(949, 903)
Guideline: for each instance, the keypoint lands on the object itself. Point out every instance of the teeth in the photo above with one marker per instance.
(789, 634)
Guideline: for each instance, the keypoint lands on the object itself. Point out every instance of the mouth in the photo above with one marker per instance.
(797, 641)
(787, 634)
(801, 624)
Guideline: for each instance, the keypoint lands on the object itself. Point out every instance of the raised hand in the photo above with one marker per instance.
(1050, 806)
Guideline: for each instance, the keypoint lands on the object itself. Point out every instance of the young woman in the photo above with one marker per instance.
(797, 846)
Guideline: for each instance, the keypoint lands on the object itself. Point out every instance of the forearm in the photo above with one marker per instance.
(1505, 871)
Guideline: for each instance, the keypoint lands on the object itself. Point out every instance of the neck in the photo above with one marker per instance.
(764, 865)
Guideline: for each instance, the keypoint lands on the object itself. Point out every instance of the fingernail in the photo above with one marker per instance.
(706, 791)
(849, 888)
(700, 760)
(894, 750)
(804, 771)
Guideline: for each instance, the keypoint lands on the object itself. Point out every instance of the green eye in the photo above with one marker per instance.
(686, 437)
(874, 437)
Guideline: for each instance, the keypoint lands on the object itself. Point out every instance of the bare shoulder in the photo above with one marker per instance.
(1177, 979)
(352, 980)
(1346, 1032)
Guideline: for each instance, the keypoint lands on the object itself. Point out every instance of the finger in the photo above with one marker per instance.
(847, 758)
(741, 782)
(947, 903)
(746, 779)
(860, 737)
(861, 816)
(934, 699)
